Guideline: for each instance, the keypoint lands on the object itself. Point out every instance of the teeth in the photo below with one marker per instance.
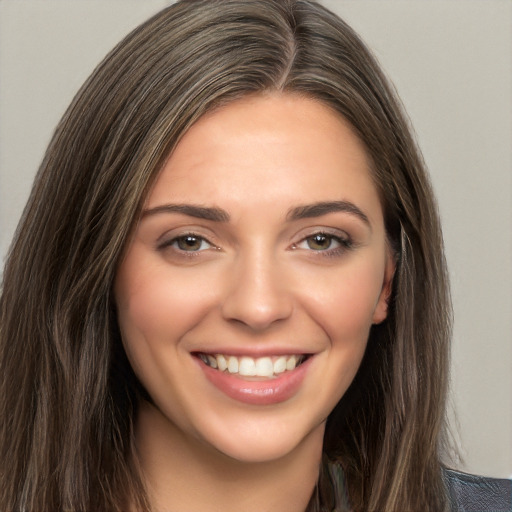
(250, 367)
(222, 364)
(291, 363)
(264, 367)
(232, 364)
(280, 365)
(247, 367)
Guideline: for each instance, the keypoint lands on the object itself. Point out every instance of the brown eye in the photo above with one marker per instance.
(325, 244)
(320, 242)
(190, 243)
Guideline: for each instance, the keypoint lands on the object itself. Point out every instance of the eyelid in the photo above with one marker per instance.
(322, 230)
(183, 228)
(332, 238)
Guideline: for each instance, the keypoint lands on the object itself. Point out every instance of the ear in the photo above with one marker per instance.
(381, 309)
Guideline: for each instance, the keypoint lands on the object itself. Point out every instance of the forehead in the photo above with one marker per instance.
(267, 148)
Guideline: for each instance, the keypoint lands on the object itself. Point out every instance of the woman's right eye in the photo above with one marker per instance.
(188, 243)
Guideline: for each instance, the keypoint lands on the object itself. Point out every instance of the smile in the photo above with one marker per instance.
(264, 380)
(267, 367)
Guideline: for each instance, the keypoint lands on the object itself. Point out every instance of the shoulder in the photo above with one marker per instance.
(471, 493)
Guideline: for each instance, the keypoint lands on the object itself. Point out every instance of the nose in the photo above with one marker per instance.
(257, 296)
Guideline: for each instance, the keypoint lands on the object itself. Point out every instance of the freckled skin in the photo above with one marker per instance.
(257, 280)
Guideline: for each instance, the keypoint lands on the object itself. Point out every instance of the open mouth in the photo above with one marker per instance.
(245, 366)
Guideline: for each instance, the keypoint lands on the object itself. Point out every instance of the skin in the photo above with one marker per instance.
(261, 282)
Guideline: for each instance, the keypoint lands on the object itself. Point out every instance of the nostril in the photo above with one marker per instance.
(243, 310)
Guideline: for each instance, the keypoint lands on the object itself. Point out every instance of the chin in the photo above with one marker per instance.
(265, 445)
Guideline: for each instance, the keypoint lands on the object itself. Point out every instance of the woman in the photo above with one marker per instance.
(236, 186)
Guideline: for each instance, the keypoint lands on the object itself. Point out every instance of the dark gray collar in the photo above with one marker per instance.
(471, 493)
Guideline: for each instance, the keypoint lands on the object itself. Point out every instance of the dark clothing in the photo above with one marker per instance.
(470, 493)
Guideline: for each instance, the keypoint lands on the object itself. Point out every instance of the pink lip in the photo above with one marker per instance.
(261, 392)
(255, 353)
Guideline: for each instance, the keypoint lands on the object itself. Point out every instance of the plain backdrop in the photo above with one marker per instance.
(451, 61)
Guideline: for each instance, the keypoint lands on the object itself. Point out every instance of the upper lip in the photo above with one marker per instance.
(254, 352)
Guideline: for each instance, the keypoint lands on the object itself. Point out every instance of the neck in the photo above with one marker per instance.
(183, 473)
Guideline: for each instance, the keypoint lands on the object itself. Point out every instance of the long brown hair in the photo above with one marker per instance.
(68, 397)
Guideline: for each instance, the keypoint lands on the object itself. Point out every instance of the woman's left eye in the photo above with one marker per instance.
(323, 242)
(189, 243)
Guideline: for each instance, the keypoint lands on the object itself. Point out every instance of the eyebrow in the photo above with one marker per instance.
(325, 207)
(297, 213)
(199, 212)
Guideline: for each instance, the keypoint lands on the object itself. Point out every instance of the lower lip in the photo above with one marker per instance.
(260, 392)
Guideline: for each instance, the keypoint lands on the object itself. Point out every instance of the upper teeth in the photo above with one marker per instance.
(250, 367)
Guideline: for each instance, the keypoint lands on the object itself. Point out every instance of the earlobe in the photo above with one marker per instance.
(381, 309)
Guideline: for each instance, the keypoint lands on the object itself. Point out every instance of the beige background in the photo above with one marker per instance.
(451, 61)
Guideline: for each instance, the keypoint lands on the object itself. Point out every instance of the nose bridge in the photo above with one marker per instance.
(258, 295)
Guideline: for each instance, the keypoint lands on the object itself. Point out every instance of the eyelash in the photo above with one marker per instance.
(343, 244)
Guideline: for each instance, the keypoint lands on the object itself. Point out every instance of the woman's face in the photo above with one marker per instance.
(260, 263)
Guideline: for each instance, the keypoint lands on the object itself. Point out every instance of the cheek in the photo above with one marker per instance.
(155, 309)
(157, 305)
(344, 302)
(144, 305)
